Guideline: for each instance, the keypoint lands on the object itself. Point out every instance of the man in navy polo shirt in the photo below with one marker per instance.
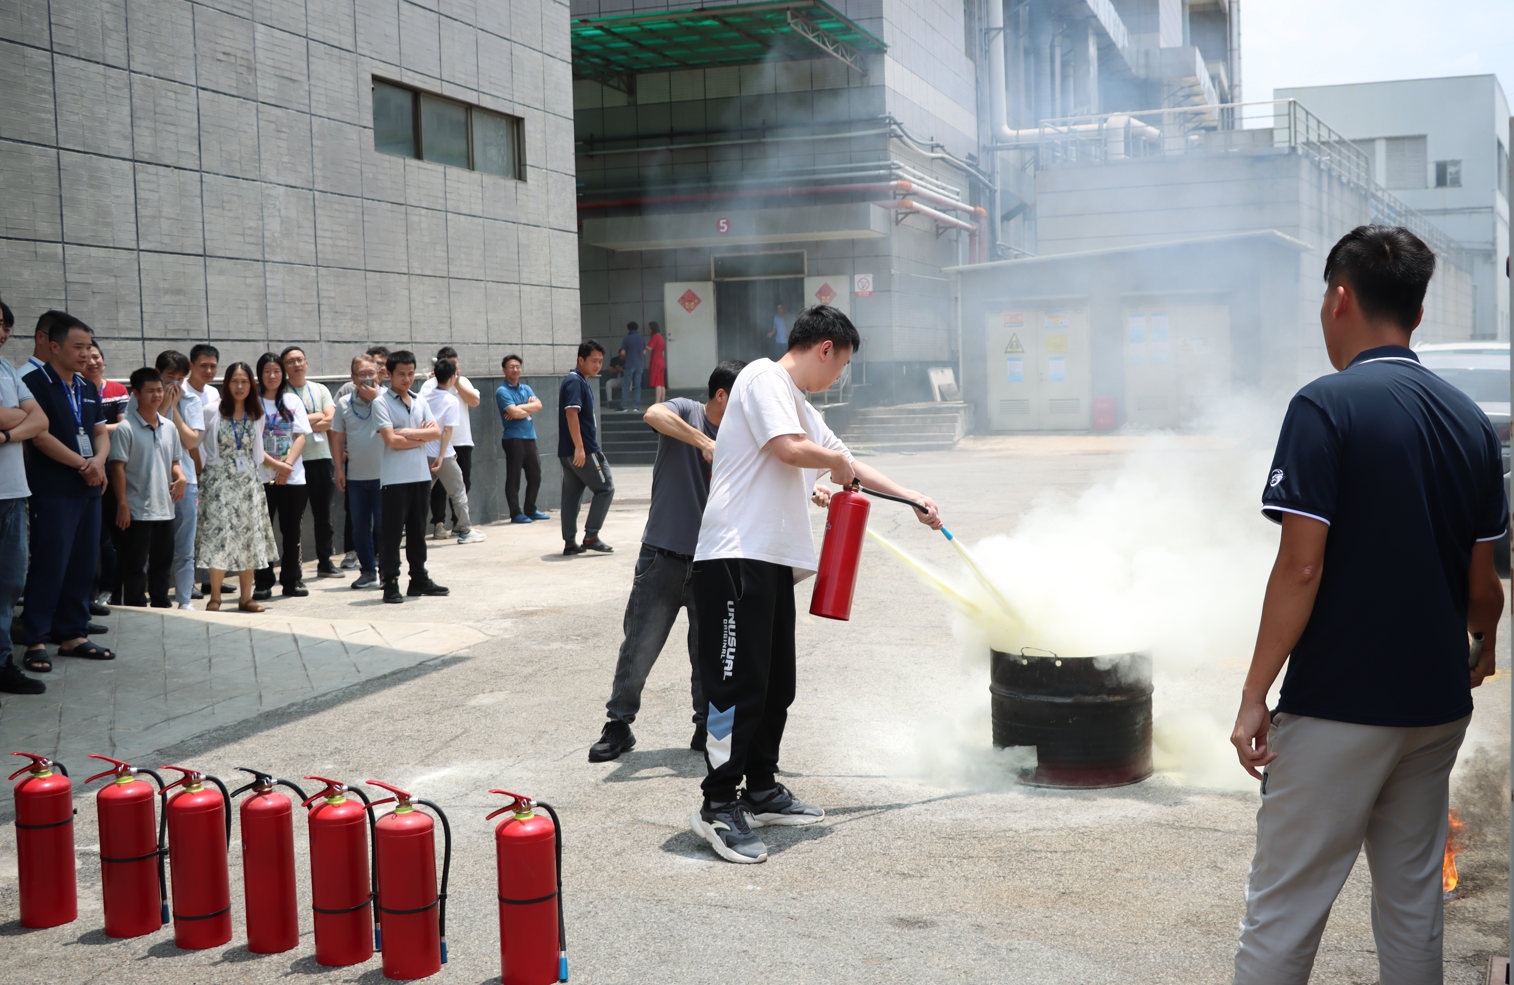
(583, 464)
(65, 467)
(1388, 485)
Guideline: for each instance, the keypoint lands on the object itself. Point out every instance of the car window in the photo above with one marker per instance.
(1486, 386)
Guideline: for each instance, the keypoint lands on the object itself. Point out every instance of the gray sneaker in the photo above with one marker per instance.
(779, 808)
(349, 562)
(725, 827)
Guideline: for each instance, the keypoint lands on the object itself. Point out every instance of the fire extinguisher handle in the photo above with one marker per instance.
(515, 798)
(332, 786)
(401, 794)
(379, 803)
(110, 772)
(37, 763)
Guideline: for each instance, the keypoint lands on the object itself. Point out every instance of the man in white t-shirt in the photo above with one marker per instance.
(754, 545)
(442, 456)
(462, 439)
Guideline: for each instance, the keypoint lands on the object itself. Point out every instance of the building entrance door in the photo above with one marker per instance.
(744, 314)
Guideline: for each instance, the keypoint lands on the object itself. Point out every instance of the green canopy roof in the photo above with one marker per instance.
(607, 48)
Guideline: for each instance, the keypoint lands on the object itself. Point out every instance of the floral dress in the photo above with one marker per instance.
(234, 533)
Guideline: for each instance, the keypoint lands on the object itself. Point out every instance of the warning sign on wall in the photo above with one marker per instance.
(862, 286)
(825, 293)
(1015, 348)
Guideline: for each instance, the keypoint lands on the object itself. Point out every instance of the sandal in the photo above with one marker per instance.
(88, 651)
(250, 606)
(37, 661)
(214, 605)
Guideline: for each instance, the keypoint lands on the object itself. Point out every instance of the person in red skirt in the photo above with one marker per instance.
(657, 362)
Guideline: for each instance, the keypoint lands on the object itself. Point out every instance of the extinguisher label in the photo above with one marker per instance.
(728, 642)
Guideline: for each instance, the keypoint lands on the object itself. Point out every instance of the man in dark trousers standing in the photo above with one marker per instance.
(665, 567)
(754, 544)
(405, 423)
(517, 403)
(1388, 485)
(583, 464)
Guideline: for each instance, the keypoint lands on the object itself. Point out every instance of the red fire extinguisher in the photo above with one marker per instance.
(273, 923)
(135, 902)
(533, 943)
(199, 833)
(412, 915)
(341, 879)
(45, 843)
(845, 527)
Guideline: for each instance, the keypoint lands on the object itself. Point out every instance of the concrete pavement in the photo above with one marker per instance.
(933, 861)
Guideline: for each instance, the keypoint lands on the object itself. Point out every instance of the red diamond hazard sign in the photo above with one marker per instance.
(689, 300)
(826, 293)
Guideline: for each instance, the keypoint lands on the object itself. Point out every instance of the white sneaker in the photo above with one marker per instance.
(439, 531)
(186, 606)
(473, 536)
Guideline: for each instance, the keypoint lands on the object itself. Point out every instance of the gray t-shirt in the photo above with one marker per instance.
(401, 465)
(680, 485)
(358, 424)
(12, 459)
(149, 454)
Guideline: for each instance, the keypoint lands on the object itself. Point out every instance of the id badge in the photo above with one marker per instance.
(86, 446)
(242, 463)
(317, 437)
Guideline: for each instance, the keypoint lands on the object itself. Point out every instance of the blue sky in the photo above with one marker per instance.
(1328, 42)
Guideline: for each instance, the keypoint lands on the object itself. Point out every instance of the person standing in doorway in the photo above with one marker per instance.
(405, 425)
(462, 437)
(21, 419)
(320, 476)
(632, 347)
(754, 544)
(1387, 483)
(665, 567)
(657, 362)
(518, 403)
(285, 433)
(778, 334)
(583, 465)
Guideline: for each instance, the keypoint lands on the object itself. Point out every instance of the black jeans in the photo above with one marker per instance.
(439, 494)
(403, 508)
(746, 666)
(286, 506)
(593, 475)
(520, 453)
(320, 483)
(146, 561)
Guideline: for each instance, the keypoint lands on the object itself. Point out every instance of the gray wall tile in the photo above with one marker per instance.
(99, 204)
(165, 118)
(159, 33)
(104, 289)
(168, 209)
(30, 206)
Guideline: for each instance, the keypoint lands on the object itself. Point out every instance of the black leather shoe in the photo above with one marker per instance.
(428, 587)
(392, 593)
(95, 629)
(262, 594)
(99, 609)
(295, 591)
(572, 549)
(614, 740)
(327, 570)
(597, 545)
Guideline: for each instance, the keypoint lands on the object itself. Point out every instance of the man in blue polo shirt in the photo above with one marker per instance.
(583, 465)
(1388, 485)
(65, 467)
(517, 438)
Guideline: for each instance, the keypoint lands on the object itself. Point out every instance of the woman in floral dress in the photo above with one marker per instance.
(234, 530)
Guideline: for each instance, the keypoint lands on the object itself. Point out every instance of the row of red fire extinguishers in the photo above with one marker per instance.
(352, 854)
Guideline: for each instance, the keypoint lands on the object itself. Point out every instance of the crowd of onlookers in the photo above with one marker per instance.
(153, 492)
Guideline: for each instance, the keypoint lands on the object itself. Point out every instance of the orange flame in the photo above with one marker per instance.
(1454, 844)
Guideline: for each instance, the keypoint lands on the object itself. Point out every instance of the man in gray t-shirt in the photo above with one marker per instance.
(680, 486)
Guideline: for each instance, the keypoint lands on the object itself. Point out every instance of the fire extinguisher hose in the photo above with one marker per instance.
(441, 915)
(378, 939)
(162, 844)
(562, 927)
(226, 799)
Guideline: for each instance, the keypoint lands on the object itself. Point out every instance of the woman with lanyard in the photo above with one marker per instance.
(285, 426)
(234, 531)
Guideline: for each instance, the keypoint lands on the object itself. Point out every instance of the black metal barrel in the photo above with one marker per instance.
(1089, 718)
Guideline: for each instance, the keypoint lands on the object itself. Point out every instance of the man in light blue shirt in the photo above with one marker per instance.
(517, 403)
(20, 418)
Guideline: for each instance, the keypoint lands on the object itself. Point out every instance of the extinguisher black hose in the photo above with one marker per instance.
(441, 916)
(291, 786)
(373, 900)
(226, 798)
(562, 928)
(61, 768)
(897, 499)
(162, 845)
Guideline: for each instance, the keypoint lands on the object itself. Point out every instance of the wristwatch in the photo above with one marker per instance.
(6, 432)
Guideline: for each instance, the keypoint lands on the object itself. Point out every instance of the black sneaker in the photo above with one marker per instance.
(99, 609)
(392, 593)
(726, 828)
(366, 581)
(196, 593)
(571, 548)
(326, 569)
(294, 591)
(697, 743)
(262, 594)
(12, 681)
(597, 545)
(779, 808)
(428, 587)
(615, 739)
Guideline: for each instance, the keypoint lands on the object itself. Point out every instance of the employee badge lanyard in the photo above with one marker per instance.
(242, 462)
(76, 404)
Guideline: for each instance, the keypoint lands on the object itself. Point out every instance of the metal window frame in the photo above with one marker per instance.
(804, 256)
(514, 124)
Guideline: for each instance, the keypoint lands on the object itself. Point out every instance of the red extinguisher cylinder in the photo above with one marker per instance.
(341, 886)
(530, 935)
(198, 819)
(409, 906)
(267, 825)
(840, 554)
(131, 873)
(45, 843)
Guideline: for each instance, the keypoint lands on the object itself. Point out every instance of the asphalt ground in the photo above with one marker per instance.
(934, 862)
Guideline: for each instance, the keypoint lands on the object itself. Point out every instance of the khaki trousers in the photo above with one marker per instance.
(1334, 788)
(450, 478)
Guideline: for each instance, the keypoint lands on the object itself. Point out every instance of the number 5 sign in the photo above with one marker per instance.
(722, 225)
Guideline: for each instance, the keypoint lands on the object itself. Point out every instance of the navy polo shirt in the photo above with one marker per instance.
(575, 391)
(46, 476)
(1406, 470)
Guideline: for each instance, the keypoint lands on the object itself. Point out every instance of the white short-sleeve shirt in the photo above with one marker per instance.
(759, 507)
(447, 408)
(462, 436)
(278, 433)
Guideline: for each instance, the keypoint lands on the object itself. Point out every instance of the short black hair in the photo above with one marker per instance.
(172, 361)
(630, 326)
(378, 351)
(446, 352)
(7, 317)
(96, 346)
(142, 377)
(653, 327)
(57, 324)
(202, 349)
(503, 362)
(278, 397)
(724, 376)
(444, 370)
(254, 405)
(822, 323)
(284, 354)
(588, 347)
(398, 358)
(1388, 268)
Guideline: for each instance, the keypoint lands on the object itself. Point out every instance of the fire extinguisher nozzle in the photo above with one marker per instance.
(378, 939)
(163, 916)
(562, 968)
(444, 952)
